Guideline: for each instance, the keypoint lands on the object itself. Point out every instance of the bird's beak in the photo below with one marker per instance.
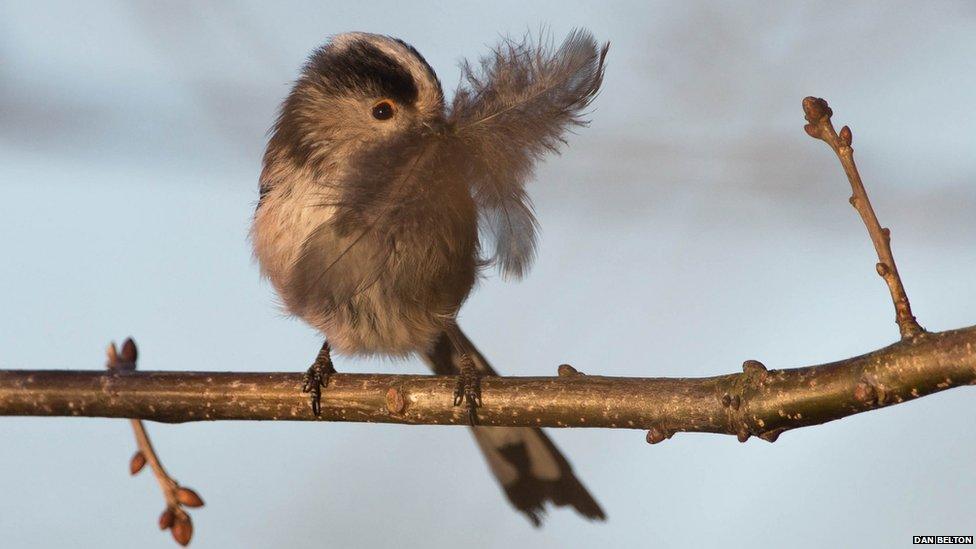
(434, 127)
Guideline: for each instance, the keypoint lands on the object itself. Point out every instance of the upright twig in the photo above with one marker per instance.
(174, 517)
(818, 115)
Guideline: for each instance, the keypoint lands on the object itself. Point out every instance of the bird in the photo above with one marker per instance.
(381, 205)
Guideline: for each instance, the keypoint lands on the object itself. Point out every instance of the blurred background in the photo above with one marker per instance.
(694, 225)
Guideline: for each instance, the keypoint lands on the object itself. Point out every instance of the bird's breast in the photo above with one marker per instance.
(384, 283)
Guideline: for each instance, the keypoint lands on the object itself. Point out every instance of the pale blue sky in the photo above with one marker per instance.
(694, 225)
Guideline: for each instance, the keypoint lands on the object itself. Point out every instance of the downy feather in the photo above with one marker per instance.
(517, 105)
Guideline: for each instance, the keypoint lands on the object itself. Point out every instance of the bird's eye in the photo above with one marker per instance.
(383, 110)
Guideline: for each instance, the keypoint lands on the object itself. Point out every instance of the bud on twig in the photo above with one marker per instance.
(166, 519)
(816, 109)
(111, 355)
(137, 462)
(656, 434)
(182, 529)
(845, 136)
(188, 497)
(565, 370)
(129, 353)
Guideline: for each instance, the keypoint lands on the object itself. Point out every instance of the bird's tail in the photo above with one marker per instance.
(526, 463)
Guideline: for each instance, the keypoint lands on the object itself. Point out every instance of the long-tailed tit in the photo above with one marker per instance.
(378, 201)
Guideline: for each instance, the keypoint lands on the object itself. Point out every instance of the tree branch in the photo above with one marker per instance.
(753, 402)
(757, 401)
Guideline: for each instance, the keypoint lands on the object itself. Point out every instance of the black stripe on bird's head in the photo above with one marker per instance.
(361, 67)
(355, 62)
(357, 90)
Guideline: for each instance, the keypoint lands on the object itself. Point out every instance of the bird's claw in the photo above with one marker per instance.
(468, 392)
(315, 378)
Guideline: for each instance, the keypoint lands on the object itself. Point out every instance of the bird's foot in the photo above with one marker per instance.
(317, 377)
(468, 391)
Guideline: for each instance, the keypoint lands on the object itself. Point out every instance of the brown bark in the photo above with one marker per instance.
(754, 402)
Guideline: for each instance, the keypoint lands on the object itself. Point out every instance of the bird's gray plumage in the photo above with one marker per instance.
(369, 224)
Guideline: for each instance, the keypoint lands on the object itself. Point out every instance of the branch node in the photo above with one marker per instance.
(865, 393)
(755, 369)
(395, 402)
(883, 270)
(882, 394)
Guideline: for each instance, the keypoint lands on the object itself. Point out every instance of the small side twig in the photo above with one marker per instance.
(819, 126)
(174, 517)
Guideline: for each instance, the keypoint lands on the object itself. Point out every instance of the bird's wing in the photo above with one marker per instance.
(513, 107)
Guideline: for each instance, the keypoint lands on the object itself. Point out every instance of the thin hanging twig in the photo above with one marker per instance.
(174, 517)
